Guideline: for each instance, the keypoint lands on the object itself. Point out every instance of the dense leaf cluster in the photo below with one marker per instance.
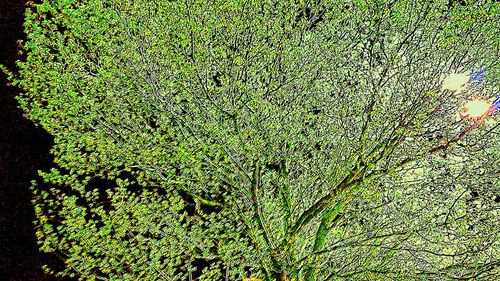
(290, 140)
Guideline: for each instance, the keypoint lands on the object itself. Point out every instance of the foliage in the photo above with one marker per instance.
(293, 140)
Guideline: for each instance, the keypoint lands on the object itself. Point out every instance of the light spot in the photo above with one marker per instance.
(455, 81)
(476, 108)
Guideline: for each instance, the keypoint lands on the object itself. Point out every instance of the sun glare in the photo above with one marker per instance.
(455, 81)
(476, 108)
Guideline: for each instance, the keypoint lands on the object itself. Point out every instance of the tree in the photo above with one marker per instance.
(292, 140)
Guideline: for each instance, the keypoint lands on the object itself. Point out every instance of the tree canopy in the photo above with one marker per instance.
(286, 140)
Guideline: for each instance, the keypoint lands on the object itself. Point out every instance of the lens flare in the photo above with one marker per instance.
(478, 77)
(476, 108)
(455, 81)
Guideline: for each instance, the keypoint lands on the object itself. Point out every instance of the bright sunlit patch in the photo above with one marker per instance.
(476, 108)
(455, 81)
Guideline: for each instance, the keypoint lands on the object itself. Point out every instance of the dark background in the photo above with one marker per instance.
(24, 149)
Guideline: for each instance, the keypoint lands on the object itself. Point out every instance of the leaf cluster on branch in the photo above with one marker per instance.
(290, 140)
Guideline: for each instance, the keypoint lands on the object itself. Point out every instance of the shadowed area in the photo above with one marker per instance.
(24, 149)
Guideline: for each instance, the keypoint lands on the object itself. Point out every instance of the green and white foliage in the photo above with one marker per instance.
(294, 140)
